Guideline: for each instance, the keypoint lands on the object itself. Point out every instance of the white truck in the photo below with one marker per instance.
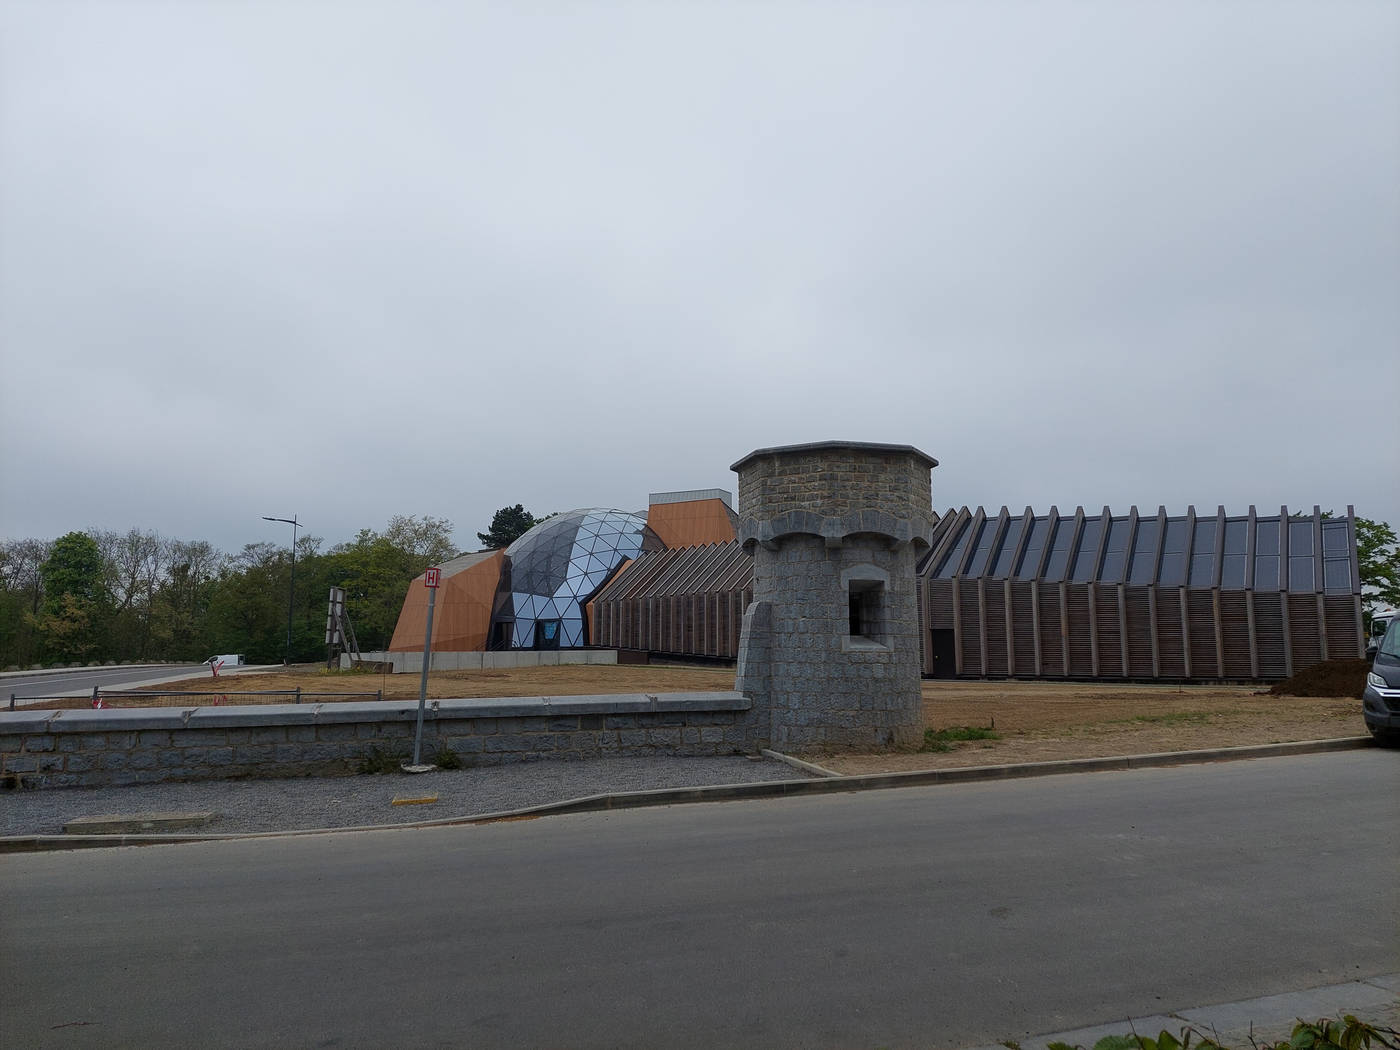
(228, 660)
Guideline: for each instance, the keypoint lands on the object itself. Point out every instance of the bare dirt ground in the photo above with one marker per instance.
(1044, 721)
(1034, 721)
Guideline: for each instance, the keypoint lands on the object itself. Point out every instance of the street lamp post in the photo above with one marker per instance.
(292, 594)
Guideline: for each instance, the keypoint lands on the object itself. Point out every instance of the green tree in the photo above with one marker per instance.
(1378, 559)
(73, 614)
(508, 525)
(375, 568)
(21, 599)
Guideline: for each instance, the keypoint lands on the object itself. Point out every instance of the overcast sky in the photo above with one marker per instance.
(355, 260)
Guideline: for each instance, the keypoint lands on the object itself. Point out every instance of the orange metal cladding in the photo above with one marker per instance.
(692, 523)
(462, 618)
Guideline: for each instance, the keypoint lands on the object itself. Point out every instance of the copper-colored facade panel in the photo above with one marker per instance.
(692, 523)
(462, 614)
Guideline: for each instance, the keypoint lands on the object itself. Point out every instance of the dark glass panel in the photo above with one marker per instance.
(1266, 572)
(1338, 575)
(1173, 572)
(1175, 542)
(1205, 537)
(1035, 546)
(1083, 570)
(1117, 535)
(1334, 537)
(1002, 565)
(1300, 573)
(1235, 532)
(1232, 570)
(984, 543)
(1266, 537)
(1059, 550)
(1300, 537)
(950, 561)
(1112, 571)
(1144, 553)
(1203, 569)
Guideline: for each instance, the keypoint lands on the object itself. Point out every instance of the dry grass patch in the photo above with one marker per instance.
(442, 685)
(1034, 721)
(1044, 721)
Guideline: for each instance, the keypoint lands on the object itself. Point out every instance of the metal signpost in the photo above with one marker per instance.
(430, 581)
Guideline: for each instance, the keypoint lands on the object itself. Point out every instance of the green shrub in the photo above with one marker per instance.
(1325, 1034)
(377, 760)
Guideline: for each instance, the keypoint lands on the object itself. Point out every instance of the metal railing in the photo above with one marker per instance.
(101, 696)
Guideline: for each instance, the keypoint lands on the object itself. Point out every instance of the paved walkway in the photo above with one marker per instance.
(301, 803)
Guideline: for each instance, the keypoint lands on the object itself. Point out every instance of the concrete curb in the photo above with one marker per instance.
(77, 670)
(797, 763)
(825, 785)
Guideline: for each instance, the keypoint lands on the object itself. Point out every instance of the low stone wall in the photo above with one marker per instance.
(412, 663)
(89, 748)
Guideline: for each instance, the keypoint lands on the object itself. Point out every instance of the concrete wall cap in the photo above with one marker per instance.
(267, 715)
(118, 720)
(825, 446)
(25, 721)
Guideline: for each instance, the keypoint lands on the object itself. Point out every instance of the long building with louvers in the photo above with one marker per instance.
(1109, 596)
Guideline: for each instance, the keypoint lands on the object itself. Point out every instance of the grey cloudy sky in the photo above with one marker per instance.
(354, 260)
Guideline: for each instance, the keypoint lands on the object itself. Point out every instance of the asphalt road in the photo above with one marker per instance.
(81, 680)
(928, 917)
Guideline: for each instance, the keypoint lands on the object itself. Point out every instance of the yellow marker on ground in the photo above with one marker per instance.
(422, 800)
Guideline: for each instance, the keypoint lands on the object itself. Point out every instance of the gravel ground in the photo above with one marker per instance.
(337, 802)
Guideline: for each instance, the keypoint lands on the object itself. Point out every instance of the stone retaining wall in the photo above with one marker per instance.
(144, 745)
(451, 660)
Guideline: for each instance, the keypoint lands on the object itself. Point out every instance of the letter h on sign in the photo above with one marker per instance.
(430, 577)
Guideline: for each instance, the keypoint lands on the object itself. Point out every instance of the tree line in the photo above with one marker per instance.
(99, 595)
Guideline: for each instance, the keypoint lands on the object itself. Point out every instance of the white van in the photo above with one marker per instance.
(230, 660)
(1379, 622)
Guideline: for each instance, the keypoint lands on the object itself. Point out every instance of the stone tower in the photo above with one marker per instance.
(829, 652)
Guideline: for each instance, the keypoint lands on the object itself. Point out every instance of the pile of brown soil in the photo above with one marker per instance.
(1329, 678)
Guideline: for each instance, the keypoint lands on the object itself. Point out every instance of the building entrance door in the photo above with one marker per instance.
(941, 647)
(546, 634)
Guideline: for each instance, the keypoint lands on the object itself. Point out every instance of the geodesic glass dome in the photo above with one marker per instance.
(558, 564)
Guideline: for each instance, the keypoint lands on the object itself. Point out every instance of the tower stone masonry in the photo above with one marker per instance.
(829, 652)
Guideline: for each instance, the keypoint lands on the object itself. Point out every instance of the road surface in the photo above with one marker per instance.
(81, 680)
(927, 917)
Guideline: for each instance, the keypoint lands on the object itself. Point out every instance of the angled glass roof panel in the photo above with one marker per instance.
(1087, 555)
(1236, 532)
(1002, 565)
(1059, 550)
(951, 560)
(1266, 572)
(984, 548)
(1115, 556)
(1302, 574)
(1334, 538)
(1266, 533)
(1173, 571)
(1203, 553)
(1300, 538)
(1337, 575)
(1035, 546)
(1232, 570)
(1141, 568)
